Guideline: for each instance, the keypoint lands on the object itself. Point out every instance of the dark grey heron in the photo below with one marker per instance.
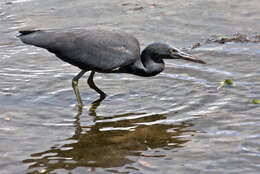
(103, 51)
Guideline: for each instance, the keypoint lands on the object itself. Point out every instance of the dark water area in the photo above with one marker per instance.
(179, 121)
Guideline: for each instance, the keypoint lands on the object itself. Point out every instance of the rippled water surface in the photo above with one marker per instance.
(176, 122)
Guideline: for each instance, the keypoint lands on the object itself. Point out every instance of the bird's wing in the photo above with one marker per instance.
(100, 50)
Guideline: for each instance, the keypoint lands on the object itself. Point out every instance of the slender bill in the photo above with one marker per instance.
(185, 56)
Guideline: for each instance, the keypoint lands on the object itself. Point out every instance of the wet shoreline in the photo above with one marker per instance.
(177, 121)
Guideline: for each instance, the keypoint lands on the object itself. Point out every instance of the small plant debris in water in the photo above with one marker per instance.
(184, 75)
(196, 45)
(7, 118)
(145, 164)
(136, 8)
(237, 37)
(256, 101)
(226, 82)
(224, 38)
(125, 4)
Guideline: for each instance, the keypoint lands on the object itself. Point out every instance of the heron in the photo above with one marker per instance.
(103, 51)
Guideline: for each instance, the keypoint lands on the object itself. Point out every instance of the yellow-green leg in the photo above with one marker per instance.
(75, 87)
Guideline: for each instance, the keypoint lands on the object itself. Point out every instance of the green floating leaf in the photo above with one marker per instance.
(184, 75)
(226, 82)
(256, 101)
(222, 36)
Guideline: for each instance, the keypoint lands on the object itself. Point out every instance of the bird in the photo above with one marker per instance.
(103, 51)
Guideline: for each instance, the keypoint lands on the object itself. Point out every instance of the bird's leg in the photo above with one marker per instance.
(76, 89)
(93, 86)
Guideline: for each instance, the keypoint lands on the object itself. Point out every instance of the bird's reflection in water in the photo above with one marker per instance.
(111, 142)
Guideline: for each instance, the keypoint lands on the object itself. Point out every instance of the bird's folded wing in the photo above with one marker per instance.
(101, 50)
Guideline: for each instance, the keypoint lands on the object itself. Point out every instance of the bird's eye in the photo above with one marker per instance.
(172, 51)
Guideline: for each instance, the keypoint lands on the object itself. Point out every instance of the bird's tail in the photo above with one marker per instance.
(25, 32)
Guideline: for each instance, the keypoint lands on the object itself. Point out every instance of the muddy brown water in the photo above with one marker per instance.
(176, 122)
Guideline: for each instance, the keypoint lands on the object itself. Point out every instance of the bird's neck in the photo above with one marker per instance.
(146, 66)
(152, 66)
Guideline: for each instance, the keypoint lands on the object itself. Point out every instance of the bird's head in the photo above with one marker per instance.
(165, 51)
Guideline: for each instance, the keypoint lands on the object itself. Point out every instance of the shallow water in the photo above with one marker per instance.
(176, 122)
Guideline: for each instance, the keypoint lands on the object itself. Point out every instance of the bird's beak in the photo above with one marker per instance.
(185, 56)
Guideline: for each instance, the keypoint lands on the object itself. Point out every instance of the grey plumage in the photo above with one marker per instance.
(105, 51)
(88, 49)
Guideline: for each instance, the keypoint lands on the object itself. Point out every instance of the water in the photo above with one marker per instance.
(176, 122)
